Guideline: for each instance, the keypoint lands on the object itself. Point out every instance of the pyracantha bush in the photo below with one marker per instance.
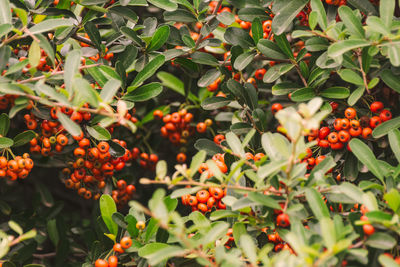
(268, 132)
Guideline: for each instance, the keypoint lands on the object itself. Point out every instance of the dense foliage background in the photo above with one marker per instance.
(268, 132)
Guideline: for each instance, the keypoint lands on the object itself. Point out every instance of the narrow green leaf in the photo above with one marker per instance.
(4, 124)
(351, 76)
(286, 14)
(352, 23)
(257, 30)
(243, 60)
(386, 11)
(264, 200)
(69, 125)
(386, 127)
(109, 90)
(99, 132)
(336, 92)
(159, 38)
(23, 138)
(391, 79)
(394, 141)
(316, 203)
(34, 54)
(339, 48)
(147, 71)
(144, 92)
(317, 6)
(71, 68)
(164, 4)
(5, 12)
(50, 24)
(107, 209)
(366, 156)
(5, 142)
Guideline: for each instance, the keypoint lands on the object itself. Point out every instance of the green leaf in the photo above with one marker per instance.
(316, 203)
(284, 45)
(394, 141)
(151, 248)
(209, 77)
(339, 48)
(393, 199)
(355, 95)
(217, 231)
(69, 125)
(127, 13)
(226, 18)
(164, 254)
(159, 38)
(364, 5)
(366, 156)
(352, 23)
(391, 80)
(394, 54)
(98, 132)
(381, 240)
(5, 142)
(250, 13)
(313, 19)
(351, 76)
(93, 34)
(328, 232)
(207, 145)
(197, 160)
(147, 71)
(318, 7)
(234, 143)
(237, 36)
(107, 209)
(5, 28)
(303, 94)
(204, 58)
(386, 11)
(215, 102)
(171, 82)
(243, 60)
(387, 261)
(53, 232)
(264, 200)
(249, 248)
(270, 49)
(284, 88)
(23, 138)
(336, 92)
(385, 127)
(288, 11)
(109, 90)
(50, 24)
(376, 24)
(43, 88)
(85, 93)
(15, 227)
(34, 54)
(5, 12)
(164, 4)
(181, 15)
(144, 92)
(4, 124)
(257, 30)
(71, 68)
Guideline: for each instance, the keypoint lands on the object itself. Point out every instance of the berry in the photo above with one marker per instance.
(283, 220)
(385, 115)
(376, 106)
(350, 113)
(126, 242)
(368, 229)
(276, 107)
(101, 263)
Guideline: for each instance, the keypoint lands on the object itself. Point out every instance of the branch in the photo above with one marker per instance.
(82, 39)
(55, 73)
(200, 38)
(364, 75)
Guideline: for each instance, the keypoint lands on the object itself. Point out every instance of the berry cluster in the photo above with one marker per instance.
(112, 261)
(93, 165)
(219, 161)
(18, 167)
(146, 161)
(205, 200)
(350, 126)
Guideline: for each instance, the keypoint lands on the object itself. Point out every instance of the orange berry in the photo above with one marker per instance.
(201, 127)
(350, 113)
(126, 242)
(118, 248)
(112, 261)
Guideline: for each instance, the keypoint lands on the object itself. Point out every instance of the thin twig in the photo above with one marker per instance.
(83, 39)
(364, 75)
(55, 73)
(200, 38)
